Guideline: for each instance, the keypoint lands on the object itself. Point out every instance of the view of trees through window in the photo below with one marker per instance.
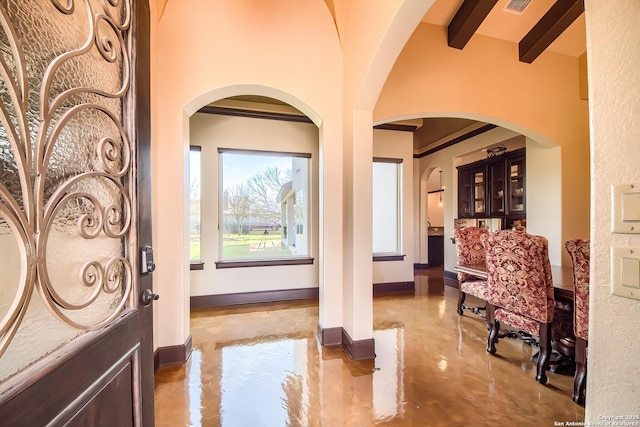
(194, 205)
(263, 205)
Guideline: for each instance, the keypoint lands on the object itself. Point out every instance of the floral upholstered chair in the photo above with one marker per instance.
(520, 288)
(469, 250)
(579, 251)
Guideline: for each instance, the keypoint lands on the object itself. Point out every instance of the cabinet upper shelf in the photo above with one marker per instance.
(493, 187)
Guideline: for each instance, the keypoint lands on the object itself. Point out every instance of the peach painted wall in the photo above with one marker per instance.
(208, 50)
(485, 81)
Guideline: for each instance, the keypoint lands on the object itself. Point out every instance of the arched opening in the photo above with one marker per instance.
(435, 218)
(546, 172)
(253, 197)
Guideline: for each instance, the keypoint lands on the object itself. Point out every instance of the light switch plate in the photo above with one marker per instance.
(625, 208)
(625, 272)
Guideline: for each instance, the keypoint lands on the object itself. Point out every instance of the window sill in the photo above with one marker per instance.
(198, 265)
(377, 258)
(263, 263)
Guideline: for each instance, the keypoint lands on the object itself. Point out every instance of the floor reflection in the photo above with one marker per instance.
(428, 287)
(195, 389)
(388, 377)
(262, 365)
(271, 375)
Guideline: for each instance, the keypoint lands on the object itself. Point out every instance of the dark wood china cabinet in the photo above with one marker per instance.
(494, 187)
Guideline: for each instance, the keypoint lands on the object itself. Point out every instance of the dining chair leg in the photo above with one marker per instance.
(580, 376)
(494, 328)
(545, 353)
(461, 298)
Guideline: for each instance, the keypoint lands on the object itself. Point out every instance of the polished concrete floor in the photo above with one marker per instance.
(261, 365)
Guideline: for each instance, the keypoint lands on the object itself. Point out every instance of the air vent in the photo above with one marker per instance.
(517, 6)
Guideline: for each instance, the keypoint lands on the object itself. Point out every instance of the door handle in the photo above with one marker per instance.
(147, 297)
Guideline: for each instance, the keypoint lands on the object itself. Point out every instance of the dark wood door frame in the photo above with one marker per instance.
(142, 101)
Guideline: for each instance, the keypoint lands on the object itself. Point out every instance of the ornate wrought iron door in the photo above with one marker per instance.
(68, 202)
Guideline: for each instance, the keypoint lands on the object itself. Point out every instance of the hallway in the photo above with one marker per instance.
(261, 365)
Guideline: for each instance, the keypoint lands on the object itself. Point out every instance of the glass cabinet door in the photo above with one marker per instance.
(479, 182)
(464, 193)
(497, 188)
(515, 169)
(472, 191)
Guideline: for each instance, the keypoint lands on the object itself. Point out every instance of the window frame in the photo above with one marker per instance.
(397, 254)
(195, 264)
(267, 261)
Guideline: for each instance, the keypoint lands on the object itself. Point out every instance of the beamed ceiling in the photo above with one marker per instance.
(543, 25)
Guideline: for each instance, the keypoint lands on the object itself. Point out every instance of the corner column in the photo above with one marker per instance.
(357, 308)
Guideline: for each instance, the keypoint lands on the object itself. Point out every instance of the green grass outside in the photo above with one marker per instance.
(253, 245)
(194, 249)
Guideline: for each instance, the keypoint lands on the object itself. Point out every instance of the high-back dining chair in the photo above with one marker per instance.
(469, 250)
(520, 288)
(579, 251)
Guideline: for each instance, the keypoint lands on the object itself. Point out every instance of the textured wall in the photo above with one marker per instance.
(613, 385)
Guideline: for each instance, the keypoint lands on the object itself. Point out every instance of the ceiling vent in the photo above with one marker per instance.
(517, 6)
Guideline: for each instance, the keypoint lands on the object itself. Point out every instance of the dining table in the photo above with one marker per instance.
(563, 295)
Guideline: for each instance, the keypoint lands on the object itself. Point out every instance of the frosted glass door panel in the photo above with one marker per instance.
(65, 193)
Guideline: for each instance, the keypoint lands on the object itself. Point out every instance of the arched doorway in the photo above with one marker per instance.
(258, 160)
(435, 218)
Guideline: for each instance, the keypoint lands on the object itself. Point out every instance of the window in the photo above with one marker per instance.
(264, 206)
(195, 254)
(387, 180)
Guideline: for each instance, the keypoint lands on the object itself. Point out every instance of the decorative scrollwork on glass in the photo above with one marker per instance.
(116, 271)
(67, 7)
(123, 22)
(68, 206)
(16, 311)
(91, 274)
(107, 38)
(111, 155)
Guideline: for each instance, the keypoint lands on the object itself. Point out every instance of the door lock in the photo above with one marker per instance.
(147, 266)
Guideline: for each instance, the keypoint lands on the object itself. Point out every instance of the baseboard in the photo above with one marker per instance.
(172, 355)
(393, 288)
(358, 350)
(200, 301)
(329, 336)
(420, 266)
(450, 278)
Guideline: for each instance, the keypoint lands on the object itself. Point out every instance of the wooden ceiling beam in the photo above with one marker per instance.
(551, 25)
(467, 20)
